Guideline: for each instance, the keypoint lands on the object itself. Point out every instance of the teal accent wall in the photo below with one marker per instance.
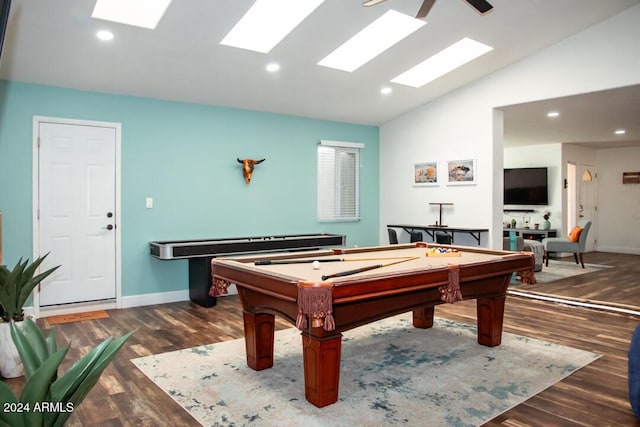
(184, 156)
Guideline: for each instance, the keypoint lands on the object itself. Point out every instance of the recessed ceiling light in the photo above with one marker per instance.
(553, 114)
(386, 90)
(454, 56)
(267, 22)
(620, 132)
(104, 35)
(372, 40)
(273, 67)
(139, 13)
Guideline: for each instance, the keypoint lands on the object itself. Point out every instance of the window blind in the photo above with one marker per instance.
(339, 181)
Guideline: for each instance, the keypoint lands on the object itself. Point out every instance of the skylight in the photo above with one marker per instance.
(139, 13)
(371, 41)
(454, 56)
(267, 22)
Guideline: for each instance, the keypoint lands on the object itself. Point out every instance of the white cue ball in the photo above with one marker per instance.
(316, 265)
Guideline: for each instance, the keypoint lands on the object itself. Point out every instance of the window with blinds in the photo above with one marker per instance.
(339, 181)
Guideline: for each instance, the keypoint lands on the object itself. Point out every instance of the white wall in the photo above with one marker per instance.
(446, 134)
(618, 204)
(464, 124)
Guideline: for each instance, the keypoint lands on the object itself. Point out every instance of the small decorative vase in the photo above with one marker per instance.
(546, 225)
(10, 362)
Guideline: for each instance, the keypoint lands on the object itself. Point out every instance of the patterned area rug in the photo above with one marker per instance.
(558, 270)
(391, 374)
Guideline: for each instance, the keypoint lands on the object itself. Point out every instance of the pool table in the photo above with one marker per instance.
(351, 287)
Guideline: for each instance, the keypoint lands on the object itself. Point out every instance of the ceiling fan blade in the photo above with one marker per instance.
(425, 8)
(372, 2)
(481, 6)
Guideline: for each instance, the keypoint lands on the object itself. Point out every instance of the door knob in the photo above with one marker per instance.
(109, 227)
(109, 214)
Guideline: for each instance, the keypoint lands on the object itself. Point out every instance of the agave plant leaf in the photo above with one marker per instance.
(17, 284)
(76, 390)
(4, 288)
(52, 345)
(30, 359)
(42, 359)
(30, 281)
(36, 339)
(36, 388)
(12, 284)
(97, 359)
(8, 294)
(32, 346)
(9, 418)
(64, 386)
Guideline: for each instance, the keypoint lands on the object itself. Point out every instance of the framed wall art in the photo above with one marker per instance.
(461, 172)
(425, 174)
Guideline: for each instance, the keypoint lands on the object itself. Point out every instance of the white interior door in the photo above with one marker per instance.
(572, 203)
(586, 195)
(77, 212)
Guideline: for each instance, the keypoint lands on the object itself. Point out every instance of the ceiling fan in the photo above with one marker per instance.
(482, 6)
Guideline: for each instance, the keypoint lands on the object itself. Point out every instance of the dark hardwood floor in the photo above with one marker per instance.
(616, 287)
(597, 395)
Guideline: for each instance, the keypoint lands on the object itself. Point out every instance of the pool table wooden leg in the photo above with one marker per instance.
(490, 315)
(321, 358)
(423, 317)
(258, 338)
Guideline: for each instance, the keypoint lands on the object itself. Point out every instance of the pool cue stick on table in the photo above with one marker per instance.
(363, 269)
(309, 261)
(295, 261)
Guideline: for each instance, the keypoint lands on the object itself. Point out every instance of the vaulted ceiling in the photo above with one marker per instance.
(54, 43)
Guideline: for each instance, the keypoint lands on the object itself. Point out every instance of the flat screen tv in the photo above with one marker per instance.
(526, 186)
(4, 18)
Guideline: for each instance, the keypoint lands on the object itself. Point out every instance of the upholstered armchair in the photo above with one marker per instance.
(566, 244)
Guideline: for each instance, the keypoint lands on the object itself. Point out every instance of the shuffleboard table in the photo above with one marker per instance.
(200, 252)
(348, 288)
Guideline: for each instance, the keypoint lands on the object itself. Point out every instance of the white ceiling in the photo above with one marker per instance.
(54, 43)
(589, 120)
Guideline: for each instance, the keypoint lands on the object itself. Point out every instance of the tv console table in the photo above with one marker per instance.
(531, 233)
(432, 229)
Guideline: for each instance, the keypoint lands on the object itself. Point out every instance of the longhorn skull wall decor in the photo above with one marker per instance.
(247, 168)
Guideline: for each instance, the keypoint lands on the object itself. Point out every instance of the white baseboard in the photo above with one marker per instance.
(157, 298)
(619, 250)
(127, 302)
(162, 298)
